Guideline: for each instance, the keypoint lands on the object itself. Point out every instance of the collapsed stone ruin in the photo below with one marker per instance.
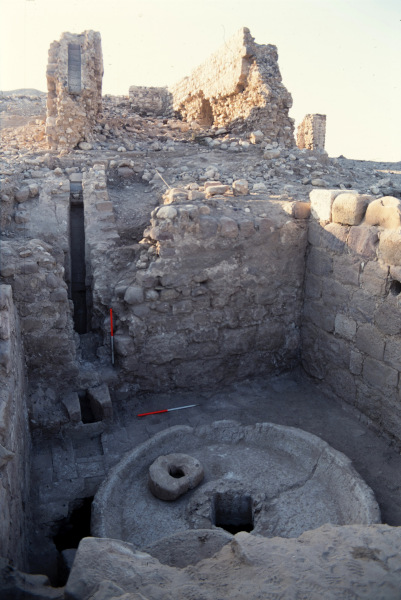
(230, 258)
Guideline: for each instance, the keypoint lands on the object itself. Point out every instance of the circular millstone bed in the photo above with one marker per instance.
(266, 479)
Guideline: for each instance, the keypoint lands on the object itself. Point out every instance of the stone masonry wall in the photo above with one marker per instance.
(352, 309)
(311, 133)
(35, 264)
(216, 295)
(240, 86)
(74, 82)
(155, 101)
(14, 436)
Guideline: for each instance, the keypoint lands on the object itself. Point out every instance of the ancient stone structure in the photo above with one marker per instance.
(14, 436)
(264, 477)
(74, 82)
(239, 86)
(151, 100)
(228, 257)
(352, 323)
(311, 133)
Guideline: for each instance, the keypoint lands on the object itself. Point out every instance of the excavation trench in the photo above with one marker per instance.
(80, 292)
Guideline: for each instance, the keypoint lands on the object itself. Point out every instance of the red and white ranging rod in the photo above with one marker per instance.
(112, 336)
(157, 412)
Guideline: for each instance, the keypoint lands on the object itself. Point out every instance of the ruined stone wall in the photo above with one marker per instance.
(154, 101)
(216, 296)
(352, 309)
(101, 237)
(240, 86)
(311, 133)
(34, 264)
(74, 82)
(14, 435)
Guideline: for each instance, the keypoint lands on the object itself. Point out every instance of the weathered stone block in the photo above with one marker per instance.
(134, 295)
(392, 353)
(319, 315)
(363, 241)
(104, 206)
(346, 269)
(166, 212)
(321, 203)
(388, 316)
(378, 374)
(176, 195)
(22, 194)
(207, 227)
(390, 246)
(240, 187)
(362, 306)
(319, 262)
(384, 212)
(313, 286)
(369, 340)
(356, 362)
(247, 228)
(214, 190)
(5, 329)
(374, 278)
(335, 294)
(349, 209)
(345, 326)
(100, 402)
(228, 228)
(72, 405)
(301, 210)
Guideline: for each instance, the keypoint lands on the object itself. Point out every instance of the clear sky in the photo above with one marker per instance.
(337, 57)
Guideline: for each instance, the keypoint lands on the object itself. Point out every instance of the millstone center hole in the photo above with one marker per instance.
(176, 472)
(232, 512)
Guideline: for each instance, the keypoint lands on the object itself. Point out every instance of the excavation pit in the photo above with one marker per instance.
(232, 512)
(265, 478)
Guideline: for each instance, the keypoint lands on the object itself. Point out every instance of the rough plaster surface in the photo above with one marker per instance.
(295, 482)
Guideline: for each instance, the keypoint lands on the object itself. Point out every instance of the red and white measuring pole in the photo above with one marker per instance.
(112, 336)
(157, 412)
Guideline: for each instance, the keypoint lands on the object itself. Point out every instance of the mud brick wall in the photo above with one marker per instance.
(14, 435)
(352, 310)
(220, 298)
(239, 86)
(311, 133)
(74, 83)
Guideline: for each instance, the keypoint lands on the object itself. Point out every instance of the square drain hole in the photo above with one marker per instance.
(232, 512)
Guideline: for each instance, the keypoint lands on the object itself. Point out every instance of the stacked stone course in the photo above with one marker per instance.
(151, 100)
(311, 133)
(219, 300)
(14, 436)
(352, 309)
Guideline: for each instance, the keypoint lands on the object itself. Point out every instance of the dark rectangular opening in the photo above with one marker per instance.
(87, 415)
(78, 285)
(233, 512)
(74, 68)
